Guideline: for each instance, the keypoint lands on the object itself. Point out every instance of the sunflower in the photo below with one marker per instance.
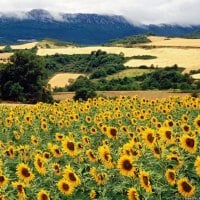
(112, 132)
(105, 156)
(125, 166)
(197, 165)
(57, 169)
(91, 156)
(46, 155)
(186, 128)
(34, 140)
(166, 135)
(133, 194)
(20, 189)
(24, 172)
(197, 122)
(2, 197)
(92, 194)
(69, 147)
(189, 143)
(185, 188)
(44, 126)
(65, 187)
(59, 136)
(86, 140)
(43, 195)
(171, 176)
(93, 130)
(149, 137)
(55, 150)
(40, 164)
(145, 181)
(3, 181)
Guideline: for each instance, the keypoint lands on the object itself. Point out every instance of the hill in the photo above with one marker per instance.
(94, 29)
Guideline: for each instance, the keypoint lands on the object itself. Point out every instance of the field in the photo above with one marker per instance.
(4, 57)
(63, 79)
(22, 46)
(173, 42)
(196, 76)
(142, 94)
(130, 73)
(183, 57)
(127, 148)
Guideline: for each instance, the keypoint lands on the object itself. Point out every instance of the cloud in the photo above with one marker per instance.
(184, 12)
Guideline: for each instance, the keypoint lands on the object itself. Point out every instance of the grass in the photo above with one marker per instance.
(130, 73)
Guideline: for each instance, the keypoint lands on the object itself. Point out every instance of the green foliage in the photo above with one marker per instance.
(24, 79)
(89, 63)
(6, 49)
(129, 41)
(144, 57)
(161, 79)
(84, 93)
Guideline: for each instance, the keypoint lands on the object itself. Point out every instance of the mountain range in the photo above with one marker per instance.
(85, 29)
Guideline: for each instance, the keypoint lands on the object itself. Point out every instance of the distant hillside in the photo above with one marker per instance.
(84, 29)
(129, 41)
(193, 35)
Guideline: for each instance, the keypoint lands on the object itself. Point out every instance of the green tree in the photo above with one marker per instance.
(24, 78)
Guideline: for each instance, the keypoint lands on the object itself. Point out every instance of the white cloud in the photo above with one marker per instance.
(141, 11)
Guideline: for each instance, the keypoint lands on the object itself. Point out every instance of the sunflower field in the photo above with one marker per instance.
(107, 149)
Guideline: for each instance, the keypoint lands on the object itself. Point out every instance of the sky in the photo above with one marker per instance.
(182, 12)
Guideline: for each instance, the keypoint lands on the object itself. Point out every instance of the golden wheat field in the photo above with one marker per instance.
(196, 76)
(184, 57)
(4, 57)
(62, 79)
(127, 148)
(29, 45)
(173, 42)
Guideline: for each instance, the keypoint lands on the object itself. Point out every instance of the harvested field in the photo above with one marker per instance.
(61, 80)
(24, 46)
(187, 58)
(4, 57)
(172, 42)
(196, 76)
(143, 94)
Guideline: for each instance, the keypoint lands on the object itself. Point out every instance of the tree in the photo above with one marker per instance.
(24, 78)
(84, 93)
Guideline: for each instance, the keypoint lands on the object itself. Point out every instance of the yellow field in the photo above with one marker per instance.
(4, 57)
(22, 46)
(188, 58)
(196, 76)
(61, 80)
(173, 42)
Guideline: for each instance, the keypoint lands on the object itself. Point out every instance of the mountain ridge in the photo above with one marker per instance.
(86, 29)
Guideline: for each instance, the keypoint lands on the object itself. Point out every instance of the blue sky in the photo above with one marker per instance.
(185, 12)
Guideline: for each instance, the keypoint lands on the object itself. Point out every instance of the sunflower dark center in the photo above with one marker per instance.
(157, 150)
(65, 186)
(171, 175)
(92, 155)
(106, 156)
(186, 128)
(70, 146)
(39, 163)
(44, 197)
(127, 165)
(146, 180)
(198, 123)
(57, 151)
(2, 178)
(20, 188)
(113, 132)
(190, 142)
(186, 187)
(150, 138)
(72, 176)
(168, 134)
(170, 124)
(25, 172)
